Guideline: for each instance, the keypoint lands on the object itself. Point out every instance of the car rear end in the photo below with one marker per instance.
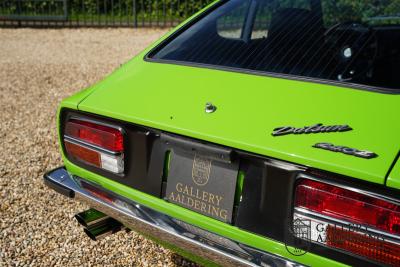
(169, 187)
(232, 166)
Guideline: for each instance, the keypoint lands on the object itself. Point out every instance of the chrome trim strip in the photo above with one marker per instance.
(197, 241)
(90, 146)
(119, 128)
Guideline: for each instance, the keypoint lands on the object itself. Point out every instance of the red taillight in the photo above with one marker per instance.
(95, 144)
(364, 245)
(350, 220)
(97, 192)
(83, 153)
(348, 205)
(96, 134)
(100, 193)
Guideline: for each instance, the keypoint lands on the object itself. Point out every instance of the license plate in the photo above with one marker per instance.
(202, 184)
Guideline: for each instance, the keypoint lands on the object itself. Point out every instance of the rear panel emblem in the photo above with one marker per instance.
(346, 150)
(317, 128)
(201, 170)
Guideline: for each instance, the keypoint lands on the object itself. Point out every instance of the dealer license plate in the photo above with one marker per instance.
(202, 184)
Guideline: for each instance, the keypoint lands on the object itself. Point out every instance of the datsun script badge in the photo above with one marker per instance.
(317, 128)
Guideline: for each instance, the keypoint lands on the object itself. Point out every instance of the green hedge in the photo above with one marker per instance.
(178, 9)
(146, 6)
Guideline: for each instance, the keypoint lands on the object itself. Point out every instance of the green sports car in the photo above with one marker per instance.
(257, 133)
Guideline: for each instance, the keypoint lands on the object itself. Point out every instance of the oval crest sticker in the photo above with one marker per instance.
(201, 170)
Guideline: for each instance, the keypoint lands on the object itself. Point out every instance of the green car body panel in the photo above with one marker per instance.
(394, 176)
(249, 108)
(172, 98)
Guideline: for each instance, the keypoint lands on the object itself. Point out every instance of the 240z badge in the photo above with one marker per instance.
(317, 128)
(346, 150)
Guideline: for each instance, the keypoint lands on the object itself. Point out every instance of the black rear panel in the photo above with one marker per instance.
(143, 168)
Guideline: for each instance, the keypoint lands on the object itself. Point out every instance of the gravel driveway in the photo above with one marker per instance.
(38, 68)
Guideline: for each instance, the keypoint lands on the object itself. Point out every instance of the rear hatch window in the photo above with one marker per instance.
(351, 42)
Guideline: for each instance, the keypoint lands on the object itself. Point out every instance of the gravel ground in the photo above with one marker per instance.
(38, 68)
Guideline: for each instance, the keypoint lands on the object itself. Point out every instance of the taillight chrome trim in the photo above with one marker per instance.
(111, 161)
(83, 118)
(90, 146)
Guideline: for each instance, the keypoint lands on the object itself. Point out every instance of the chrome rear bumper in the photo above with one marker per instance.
(194, 240)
